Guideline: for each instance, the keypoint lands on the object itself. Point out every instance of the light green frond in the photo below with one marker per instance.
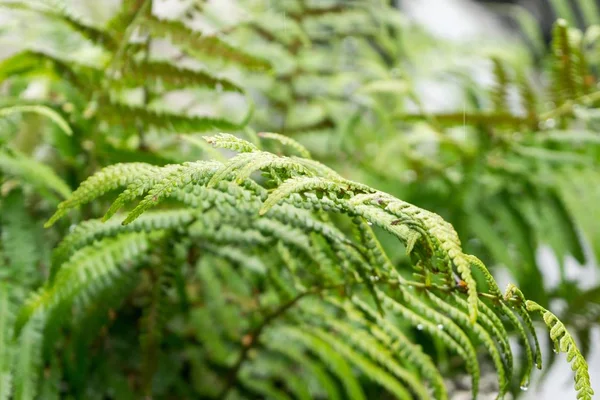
(315, 369)
(371, 370)
(286, 141)
(411, 353)
(200, 45)
(110, 178)
(437, 325)
(514, 293)
(301, 185)
(33, 172)
(564, 342)
(486, 338)
(176, 177)
(231, 142)
(336, 363)
(377, 352)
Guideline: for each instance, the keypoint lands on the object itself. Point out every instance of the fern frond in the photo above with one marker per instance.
(90, 231)
(170, 77)
(564, 342)
(200, 45)
(240, 221)
(38, 109)
(108, 179)
(230, 142)
(33, 172)
(315, 369)
(462, 319)
(61, 12)
(86, 273)
(437, 325)
(28, 358)
(7, 316)
(370, 369)
(20, 244)
(126, 115)
(286, 141)
(500, 90)
(179, 176)
(331, 358)
(567, 82)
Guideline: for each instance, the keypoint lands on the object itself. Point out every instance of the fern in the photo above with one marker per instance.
(228, 200)
(6, 343)
(565, 343)
(267, 273)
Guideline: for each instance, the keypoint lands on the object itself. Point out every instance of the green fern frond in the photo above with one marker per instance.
(28, 358)
(564, 342)
(230, 142)
(329, 386)
(126, 115)
(90, 231)
(108, 179)
(33, 172)
(238, 218)
(331, 358)
(86, 273)
(169, 77)
(500, 90)
(38, 109)
(370, 369)
(388, 333)
(20, 244)
(200, 45)
(7, 315)
(62, 12)
(286, 141)
(566, 73)
(176, 177)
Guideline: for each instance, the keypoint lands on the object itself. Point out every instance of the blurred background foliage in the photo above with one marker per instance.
(498, 133)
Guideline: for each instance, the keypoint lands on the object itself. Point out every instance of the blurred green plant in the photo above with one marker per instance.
(203, 297)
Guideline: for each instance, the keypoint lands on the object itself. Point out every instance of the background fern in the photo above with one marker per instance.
(197, 294)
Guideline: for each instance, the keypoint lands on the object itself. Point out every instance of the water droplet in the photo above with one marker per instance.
(524, 387)
(555, 351)
(369, 223)
(440, 326)
(420, 327)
